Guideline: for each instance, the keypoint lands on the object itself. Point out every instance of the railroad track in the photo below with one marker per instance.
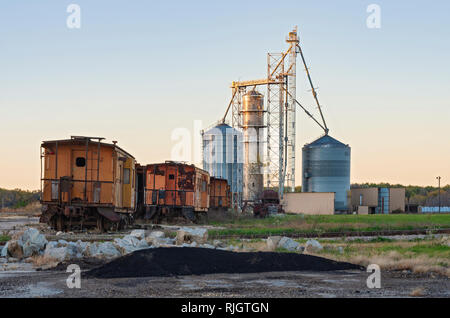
(337, 234)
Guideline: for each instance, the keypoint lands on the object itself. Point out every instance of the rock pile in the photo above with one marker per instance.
(32, 243)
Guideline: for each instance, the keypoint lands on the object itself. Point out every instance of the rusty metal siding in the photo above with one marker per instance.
(219, 193)
(177, 185)
(92, 184)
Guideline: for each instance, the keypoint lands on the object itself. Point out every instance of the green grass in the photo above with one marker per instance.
(317, 224)
(431, 250)
(4, 238)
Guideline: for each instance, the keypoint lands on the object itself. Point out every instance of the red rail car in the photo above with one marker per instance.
(172, 189)
(220, 195)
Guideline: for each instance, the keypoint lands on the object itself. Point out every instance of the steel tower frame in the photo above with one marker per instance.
(281, 115)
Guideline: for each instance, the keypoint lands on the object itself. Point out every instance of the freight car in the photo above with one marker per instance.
(172, 189)
(220, 194)
(86, 183)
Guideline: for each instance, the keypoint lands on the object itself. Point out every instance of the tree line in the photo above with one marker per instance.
(17, 198)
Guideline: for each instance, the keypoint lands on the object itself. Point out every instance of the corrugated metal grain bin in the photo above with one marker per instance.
(222, 158)
(326, 168)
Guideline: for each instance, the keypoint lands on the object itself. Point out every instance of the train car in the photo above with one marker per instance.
(174, 189)
(220, 195)
(86, 183)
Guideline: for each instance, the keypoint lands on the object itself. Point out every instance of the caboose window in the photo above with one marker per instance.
(171, 176)
(126, 176)
(80, 162)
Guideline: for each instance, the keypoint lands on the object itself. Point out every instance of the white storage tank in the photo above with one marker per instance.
(222, 158)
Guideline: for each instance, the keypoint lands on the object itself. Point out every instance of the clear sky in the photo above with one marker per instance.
(137, 70)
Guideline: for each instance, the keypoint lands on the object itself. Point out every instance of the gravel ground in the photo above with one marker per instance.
(20, 281)
(12, 222)
(274, 284)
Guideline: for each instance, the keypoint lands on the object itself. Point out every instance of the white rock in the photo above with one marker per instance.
(313, 246)
(127, 245)
(93, 249)
(272, 242)
(51, 244)
(59, 233)
(57, 253)
(157, 234)
(188, 234)
(139, 234)
(208, 246)
(131, 240)
(72, 251)
(107, 250)
(142, 244)
(289, 244)
(4, 252)
(164, 241)
(62, 242)
(82, 247)
(32, 242)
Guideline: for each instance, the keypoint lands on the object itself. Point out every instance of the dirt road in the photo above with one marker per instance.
(274, 284)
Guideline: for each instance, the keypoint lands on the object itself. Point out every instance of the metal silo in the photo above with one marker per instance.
(326, 168)
(222, 158)
(253, 124)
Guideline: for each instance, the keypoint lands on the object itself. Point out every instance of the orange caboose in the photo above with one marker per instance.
(175, 189)
(86, 183)
(220, 195)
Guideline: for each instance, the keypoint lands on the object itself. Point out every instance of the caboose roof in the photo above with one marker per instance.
(82, 141)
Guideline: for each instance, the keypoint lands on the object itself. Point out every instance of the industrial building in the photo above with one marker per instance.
(309, 203)
(377, 200)
(326, 168)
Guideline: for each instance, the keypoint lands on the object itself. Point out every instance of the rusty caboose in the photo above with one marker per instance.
(86, 183)
(173, 189)
(220, 194)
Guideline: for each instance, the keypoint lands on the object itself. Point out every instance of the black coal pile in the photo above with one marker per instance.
(197, 261)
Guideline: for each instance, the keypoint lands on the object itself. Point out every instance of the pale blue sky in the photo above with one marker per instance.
(136, 70)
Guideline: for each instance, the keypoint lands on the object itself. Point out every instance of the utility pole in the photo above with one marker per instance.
(439, 193)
